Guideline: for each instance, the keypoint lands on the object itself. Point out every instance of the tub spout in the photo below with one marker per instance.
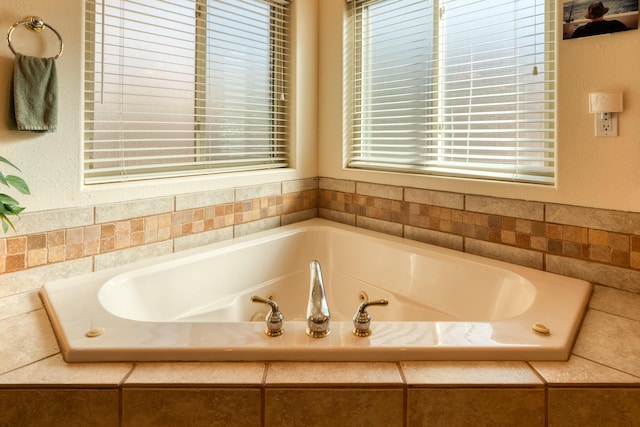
(318, 317)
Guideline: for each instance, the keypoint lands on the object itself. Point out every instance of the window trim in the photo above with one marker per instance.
(545, 175)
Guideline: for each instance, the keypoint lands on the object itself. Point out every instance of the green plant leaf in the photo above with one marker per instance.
(8, 200)
(3, 179)
(17, 183)
(6, 223)
(13, 209)
(4, 160)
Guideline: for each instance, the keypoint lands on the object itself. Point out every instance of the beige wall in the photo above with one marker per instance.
(594, 172)
(51, 162)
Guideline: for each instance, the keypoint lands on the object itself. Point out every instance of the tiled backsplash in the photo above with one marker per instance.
(597, 245)
(56, 244)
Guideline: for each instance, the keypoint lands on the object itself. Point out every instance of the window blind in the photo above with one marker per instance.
(184, 87)
(455, 88)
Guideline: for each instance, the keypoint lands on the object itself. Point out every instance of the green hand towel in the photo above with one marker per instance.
(35, 94)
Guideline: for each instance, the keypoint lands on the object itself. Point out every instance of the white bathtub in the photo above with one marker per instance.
(195, 305)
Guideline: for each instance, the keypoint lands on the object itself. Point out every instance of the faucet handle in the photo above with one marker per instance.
(274, 319)
(362, 319)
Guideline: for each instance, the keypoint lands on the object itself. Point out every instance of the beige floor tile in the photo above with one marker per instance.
(469, 374)
(232, 373)
(332, 373)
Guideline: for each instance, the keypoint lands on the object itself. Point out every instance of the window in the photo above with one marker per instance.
(461, 88)
(184, 87)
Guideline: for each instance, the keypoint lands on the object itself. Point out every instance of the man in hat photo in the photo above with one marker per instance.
(598, 25)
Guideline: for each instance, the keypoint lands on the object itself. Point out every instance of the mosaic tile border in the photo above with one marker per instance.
(593, 244)
(597, 245)
(133, 225)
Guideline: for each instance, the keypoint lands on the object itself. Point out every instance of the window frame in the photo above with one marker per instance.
(353, 66)
(277, 152)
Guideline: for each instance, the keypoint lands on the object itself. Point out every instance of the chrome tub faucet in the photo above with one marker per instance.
(318, 316)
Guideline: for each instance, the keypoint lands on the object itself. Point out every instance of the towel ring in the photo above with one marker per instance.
(36, 24)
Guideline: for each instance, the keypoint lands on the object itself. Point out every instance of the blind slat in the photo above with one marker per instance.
(184, 87)
(464, 89)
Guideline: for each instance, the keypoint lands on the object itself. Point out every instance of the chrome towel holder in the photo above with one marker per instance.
(36, 24)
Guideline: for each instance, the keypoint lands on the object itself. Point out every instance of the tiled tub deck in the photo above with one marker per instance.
(598, 386)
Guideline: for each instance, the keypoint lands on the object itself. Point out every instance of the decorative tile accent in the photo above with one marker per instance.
(596, 245)
(132, 225)
(533, 234)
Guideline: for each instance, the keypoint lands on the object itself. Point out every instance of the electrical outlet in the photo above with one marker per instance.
(606, 124)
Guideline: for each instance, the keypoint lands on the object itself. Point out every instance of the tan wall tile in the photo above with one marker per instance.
(600, 219)
(379, 190)
(617, 277)
(34, 278)
(505, 207)
(510, 254)
(202, 199)
(341, 185)
(36, 222)
(594, 407)
(59, 407)
(257, 191)
(133, 209)
(334, 407)
(191, 407)
(487, 406)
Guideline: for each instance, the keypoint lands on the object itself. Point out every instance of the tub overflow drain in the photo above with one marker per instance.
(94, 332)
(540, 328)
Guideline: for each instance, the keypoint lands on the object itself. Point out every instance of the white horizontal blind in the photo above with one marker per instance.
(455, 88)
(184, 87)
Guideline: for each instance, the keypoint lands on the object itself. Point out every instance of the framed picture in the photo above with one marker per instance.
(584, 18)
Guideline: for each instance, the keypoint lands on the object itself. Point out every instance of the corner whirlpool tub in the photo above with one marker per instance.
(196, 305)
